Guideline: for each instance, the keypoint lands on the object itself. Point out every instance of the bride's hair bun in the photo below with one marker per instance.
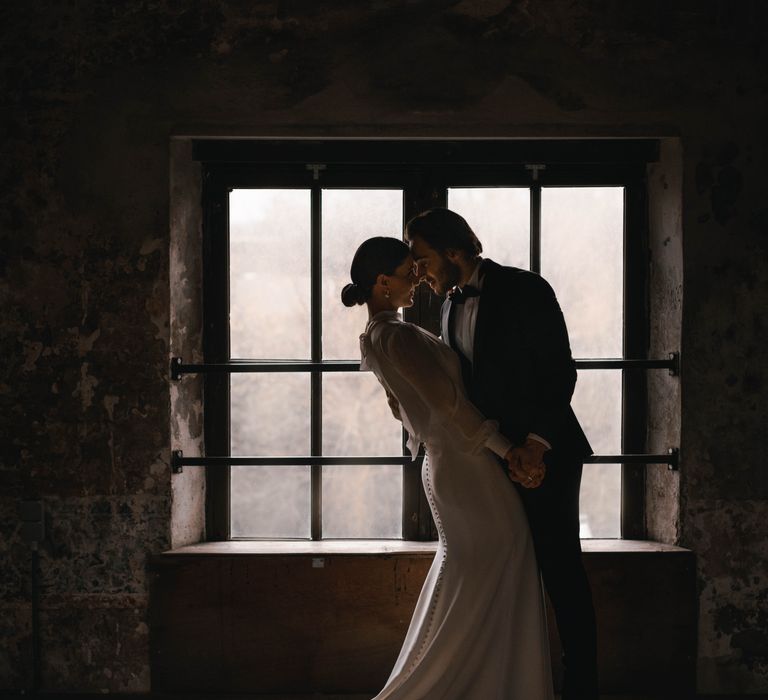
(351, 295)
(376, 256)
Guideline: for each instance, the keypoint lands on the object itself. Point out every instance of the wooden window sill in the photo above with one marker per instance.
(385, 548)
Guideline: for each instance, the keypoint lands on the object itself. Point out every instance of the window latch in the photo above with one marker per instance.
(315, 168)
(534, 168)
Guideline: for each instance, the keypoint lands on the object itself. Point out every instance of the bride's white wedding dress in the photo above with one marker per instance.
(478, 631)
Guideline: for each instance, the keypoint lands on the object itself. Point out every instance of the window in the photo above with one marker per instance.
(306, 445)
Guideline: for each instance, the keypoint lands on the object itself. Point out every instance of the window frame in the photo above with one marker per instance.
(424, 170)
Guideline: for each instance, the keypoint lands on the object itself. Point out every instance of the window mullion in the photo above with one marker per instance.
(216, 348)
(419, 194)
(535, 242)
(634, 388)
(316, 438)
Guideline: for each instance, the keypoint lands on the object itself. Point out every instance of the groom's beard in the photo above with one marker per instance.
(448, 277)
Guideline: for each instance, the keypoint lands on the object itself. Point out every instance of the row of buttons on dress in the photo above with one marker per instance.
(441, 572)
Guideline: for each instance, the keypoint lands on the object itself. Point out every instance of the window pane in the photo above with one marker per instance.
(597, 403)
(500, 216)
(582, 257)
(270, 502)
(356, 417)
(600, 501)
(270, 413)
(270, 417)
(360, 501)
(349, 217)
(363, 502)
(269, 249)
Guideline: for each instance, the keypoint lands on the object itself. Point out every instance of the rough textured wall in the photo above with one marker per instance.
(725, 382)
(186, 327)
(665, 282)
(84, 285)
(92, 93)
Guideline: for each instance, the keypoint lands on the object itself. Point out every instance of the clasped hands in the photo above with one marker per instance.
(525, 463)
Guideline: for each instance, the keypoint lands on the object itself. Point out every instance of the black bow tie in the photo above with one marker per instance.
(460, 295)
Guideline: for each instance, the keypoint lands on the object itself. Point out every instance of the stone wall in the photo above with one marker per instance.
(93, 94)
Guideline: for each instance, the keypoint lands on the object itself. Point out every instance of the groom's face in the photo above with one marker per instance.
(435, 267)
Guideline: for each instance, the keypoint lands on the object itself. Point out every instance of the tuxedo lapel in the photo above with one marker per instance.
(482, 321)
(478, 344)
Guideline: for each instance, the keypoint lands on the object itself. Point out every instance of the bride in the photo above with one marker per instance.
(478, 631)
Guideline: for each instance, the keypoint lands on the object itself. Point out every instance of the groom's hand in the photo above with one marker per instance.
(532, 453)
(526, 477)
(526, 463)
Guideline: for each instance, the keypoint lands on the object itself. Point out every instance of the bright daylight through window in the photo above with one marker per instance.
(581, 240)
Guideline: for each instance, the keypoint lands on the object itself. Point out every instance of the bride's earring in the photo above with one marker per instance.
(386, 293)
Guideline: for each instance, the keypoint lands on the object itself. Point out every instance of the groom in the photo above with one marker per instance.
(510, 335)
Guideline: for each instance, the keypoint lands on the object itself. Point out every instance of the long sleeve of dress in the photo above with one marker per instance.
(428, 395)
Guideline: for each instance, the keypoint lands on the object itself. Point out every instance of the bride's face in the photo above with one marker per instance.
(402, 283)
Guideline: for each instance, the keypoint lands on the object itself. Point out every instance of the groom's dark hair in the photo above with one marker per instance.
(443, 229)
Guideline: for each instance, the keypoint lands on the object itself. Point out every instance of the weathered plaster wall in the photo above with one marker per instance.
(665, 282)
(92, 93)
(186, 328)
(724, 505)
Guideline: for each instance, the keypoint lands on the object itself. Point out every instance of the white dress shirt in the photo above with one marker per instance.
(465, 318)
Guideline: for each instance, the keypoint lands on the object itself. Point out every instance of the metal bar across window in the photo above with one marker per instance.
(179, 460)
(178, 368)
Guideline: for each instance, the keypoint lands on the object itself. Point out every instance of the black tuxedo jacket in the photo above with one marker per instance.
(523, 374)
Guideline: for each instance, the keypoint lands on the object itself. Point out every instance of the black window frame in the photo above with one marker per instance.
(424, 170)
